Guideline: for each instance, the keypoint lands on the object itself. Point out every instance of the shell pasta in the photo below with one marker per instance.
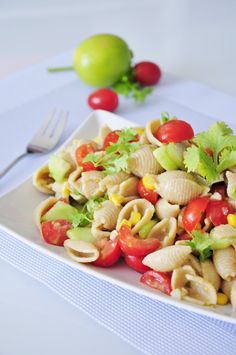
(158, 197)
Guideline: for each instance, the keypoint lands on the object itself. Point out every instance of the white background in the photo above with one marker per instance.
(194, 39)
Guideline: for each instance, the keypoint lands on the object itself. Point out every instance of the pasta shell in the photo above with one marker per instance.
(80, 251)
(201, 290)
(144, 207)
(223, 231)
(165, 231)
(102, 133)
(225, 263)
(226, 286)
(233, 296)
(104, 219)
(232, 203)
(195, 264)
(127, 189)
(178, 278)
(89, 184)
(142, 162)
(164, 209)
(73, 185)
(231, 186)
(210, 274)
(111, 180)
(42, 180)
(176, 189)
(42, 208)
(151, 127)
(168, 259)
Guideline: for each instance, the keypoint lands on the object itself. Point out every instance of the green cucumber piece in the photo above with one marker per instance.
(163, 158)
(58, 168)
(61, 210)
(81, 233)
(146, 229)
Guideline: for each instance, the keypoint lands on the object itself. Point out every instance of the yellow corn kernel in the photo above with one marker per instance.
(65, 192)
(231, 218)
(149, 182)
(126, 222)
(116, 199)
(134, 218)
(222, 299)
(140, 131)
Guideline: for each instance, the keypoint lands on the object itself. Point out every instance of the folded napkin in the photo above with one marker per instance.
(148, 325)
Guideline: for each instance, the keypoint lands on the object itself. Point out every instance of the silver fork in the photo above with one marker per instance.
(45, 139)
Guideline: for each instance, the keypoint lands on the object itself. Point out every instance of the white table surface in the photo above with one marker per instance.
(194, 39)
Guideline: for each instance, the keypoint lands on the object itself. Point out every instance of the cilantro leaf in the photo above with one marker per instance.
(214, 151)
(127, 87)
(117, 154)
(86, 212)
(202, 243)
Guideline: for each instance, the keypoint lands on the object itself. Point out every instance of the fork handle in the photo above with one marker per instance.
(4, 171)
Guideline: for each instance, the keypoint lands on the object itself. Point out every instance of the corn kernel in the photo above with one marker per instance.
(222, 299)
(149, 182)
(140, 131)
(134, 218)
(65, 192)
(116, 199)
(124, 222)
(231, 218)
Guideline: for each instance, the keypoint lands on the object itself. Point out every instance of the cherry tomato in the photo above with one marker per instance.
(135, 262)
(194, 211)
(158, 280)
(112, 137)
(174, 131)
(81, 153)
(183, 236)
(109, 253)
(217, 211)
(103, 99)
(132, 245)
(220, 188)
(149, 195)
(147, 73)
(54, 232)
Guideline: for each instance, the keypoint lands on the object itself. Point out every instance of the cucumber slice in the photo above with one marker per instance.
(146, 229)
(163, 158)
(81, 233)
(60, 210)
(176, 153)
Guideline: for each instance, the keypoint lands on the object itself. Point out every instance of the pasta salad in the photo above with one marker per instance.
(159, 197)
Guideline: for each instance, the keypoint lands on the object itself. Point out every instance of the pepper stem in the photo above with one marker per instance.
(55, 70)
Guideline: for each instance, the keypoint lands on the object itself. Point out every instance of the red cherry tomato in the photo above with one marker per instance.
(109, 253)
(112, 137)
(220, 188)
(192, 214)
(174, 131)
(132, 245)
(149, 195)
(158, 280)
(147, 73)
(183, 236)
(81, 153)
(54, 232)
(217, 211)
(103, 99)
(135, 262)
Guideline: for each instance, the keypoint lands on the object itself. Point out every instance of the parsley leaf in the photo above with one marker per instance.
(116, 157)
(85, 213)
(202, 243)
(127, 87)
(214, 151)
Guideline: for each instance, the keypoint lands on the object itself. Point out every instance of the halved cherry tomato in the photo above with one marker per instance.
(112, 137)
(220, 188)
(217, 211)
(174, 131)
(194, 211)
(183, 236)
(109, 253)
(81, 153)
(147, 73)
(149, 195)
(132, 245)
(135, 262)
(158, 280)
(103, 99)
(54, 232)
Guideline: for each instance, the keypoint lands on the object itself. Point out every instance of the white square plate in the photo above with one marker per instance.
(16, 218)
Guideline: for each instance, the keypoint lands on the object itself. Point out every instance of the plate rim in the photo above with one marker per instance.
(201, 310)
